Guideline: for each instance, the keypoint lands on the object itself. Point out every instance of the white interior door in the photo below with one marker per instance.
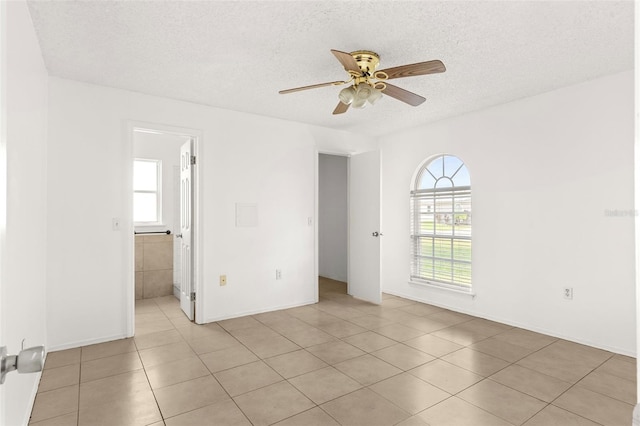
(187, 302)
(364, 226)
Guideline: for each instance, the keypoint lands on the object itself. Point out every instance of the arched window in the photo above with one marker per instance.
(441, 224)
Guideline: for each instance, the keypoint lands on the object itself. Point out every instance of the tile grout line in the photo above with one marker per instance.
(212, 374)
(397, 309)
(145, 369)
(545, 402)
(504, 368)
(402, 371)
(305, 349)
(484, 377)
(576, 383)
(510, 363)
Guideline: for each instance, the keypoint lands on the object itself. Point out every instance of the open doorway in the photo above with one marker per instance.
(333, 223)
(163, 215)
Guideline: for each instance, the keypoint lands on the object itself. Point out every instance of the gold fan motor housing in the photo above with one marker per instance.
(367, 61)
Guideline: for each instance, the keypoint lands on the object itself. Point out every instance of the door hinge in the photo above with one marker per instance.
(193, 296)
(193, 160)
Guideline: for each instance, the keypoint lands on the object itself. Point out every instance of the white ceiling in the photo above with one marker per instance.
(238, 54)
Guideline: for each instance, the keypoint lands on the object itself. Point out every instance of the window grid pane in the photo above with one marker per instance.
(145, 175)
(441, 224)
(146, 195)
(145, 207)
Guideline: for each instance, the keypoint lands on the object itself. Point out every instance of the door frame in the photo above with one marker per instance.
(127, 215)
(317, 215)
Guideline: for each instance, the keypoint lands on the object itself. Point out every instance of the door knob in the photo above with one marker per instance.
(376, 234)
(30, 360)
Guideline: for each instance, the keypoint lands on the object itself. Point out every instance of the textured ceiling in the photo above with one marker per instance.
(238, 54)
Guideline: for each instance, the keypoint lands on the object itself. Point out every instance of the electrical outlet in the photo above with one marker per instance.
(223, 280)
(567, 293)
(278, 274)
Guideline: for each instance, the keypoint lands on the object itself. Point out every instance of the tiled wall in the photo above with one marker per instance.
(154, 266)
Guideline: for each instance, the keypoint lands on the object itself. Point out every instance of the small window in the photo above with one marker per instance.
(146, 191)
(441, 224)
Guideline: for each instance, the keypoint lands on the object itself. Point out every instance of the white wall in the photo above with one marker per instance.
(544, 172)
(23, 229)
(332, 216)
(243, 158)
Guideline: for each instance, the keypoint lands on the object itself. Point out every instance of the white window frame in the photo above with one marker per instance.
(417, 195)
(158, 192)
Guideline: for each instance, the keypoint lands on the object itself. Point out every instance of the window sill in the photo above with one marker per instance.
(156, 228)
(148, 224)
(443, 287)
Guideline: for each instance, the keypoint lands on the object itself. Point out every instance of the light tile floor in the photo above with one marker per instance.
(339, 362)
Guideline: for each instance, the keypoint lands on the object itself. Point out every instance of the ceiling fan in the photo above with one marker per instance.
(368, 85)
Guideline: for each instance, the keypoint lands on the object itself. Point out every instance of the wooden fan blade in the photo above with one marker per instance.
(341, 108)
(347, 61)
(403, 95)
(421, 68)
(313, 86)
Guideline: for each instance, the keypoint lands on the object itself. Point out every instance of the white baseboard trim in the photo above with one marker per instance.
(79, 343)
(514, 324)
(93, 341)
(259, 311)
(334, 278)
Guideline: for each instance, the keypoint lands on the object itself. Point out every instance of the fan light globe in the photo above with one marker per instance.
(359, 103)
(363, 91)
(375, 95)
(347, 95)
